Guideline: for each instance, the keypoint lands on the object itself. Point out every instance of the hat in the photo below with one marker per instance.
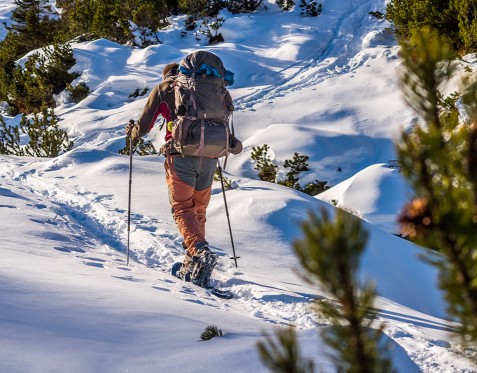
(169, 70)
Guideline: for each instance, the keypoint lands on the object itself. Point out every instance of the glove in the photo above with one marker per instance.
(165, 147)
(236, 145)
(132, 130)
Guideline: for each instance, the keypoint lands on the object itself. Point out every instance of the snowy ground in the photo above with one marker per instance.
(325, 87)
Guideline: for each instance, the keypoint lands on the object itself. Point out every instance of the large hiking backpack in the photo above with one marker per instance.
(203, 107)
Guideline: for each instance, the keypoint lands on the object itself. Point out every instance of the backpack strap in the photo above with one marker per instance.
(227, 143)
(202, 143)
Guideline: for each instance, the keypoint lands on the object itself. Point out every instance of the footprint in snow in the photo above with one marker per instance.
(124, 268)
(95, 264)
(160, 288)
(94, 259)
(69, 249)
(129, 278)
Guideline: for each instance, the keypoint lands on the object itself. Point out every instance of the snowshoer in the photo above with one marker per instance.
(189, 177)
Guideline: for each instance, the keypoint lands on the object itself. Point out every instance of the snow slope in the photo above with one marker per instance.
(325, 87)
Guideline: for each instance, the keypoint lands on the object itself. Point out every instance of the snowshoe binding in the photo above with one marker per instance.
(199, 270)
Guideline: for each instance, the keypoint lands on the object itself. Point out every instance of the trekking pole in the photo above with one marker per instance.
(235, 257)
(130, 187)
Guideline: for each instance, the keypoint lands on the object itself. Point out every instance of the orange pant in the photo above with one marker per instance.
(189, 180)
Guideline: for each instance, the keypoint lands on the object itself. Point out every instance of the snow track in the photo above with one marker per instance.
(92, 229)
(341, 53)
(96, 228)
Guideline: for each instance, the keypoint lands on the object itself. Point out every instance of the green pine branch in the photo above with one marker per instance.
(439, 158)
(329, 253)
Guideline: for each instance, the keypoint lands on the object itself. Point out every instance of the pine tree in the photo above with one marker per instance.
(33, 24)
(286, 4)
(282, 353)
(194, 8)
(9, 139)
(329, 253)
(439, 158)
(7, 64)
(172, 6)
(108, 23)
(466, 15)
(310, 8)
(241, 6)
(298, 164)
(58, 60)
(76, 18)
(210, 332)
(140, 147)
(409, 15)
(149, 18)
(86, 19)
(29, 89)
(77, 93)
(315, 187)
(44, 74)
(267, 170)
(46, 139)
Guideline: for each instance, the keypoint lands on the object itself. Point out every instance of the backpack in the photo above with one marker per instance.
(203, 107)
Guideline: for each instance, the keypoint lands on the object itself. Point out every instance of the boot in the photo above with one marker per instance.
(203, 264)
(185, 271)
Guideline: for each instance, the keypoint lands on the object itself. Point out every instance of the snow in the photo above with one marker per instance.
(6, 9)
(325, 87)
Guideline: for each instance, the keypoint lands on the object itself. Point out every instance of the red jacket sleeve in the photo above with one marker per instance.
(158, 103)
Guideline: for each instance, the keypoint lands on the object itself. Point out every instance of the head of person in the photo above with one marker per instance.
(169, 70)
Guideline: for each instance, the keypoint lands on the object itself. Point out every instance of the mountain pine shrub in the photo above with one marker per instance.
(267, 171)
(454, 20)
(281, 353)
(439, 159)
(77, 93)
(33, 25)
(227, 182)
(243, 6)
(140, 147)
(329, 253)
(315, 187)
(46, 73)
(45, 138)
(298, 164)
(378, 15)
(149, 17)
(9, 139)
(193, 8)
(210, 28)
(138, 93)
(310, 8)
(286, 4)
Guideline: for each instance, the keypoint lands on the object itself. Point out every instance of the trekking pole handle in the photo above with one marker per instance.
(131, 124)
